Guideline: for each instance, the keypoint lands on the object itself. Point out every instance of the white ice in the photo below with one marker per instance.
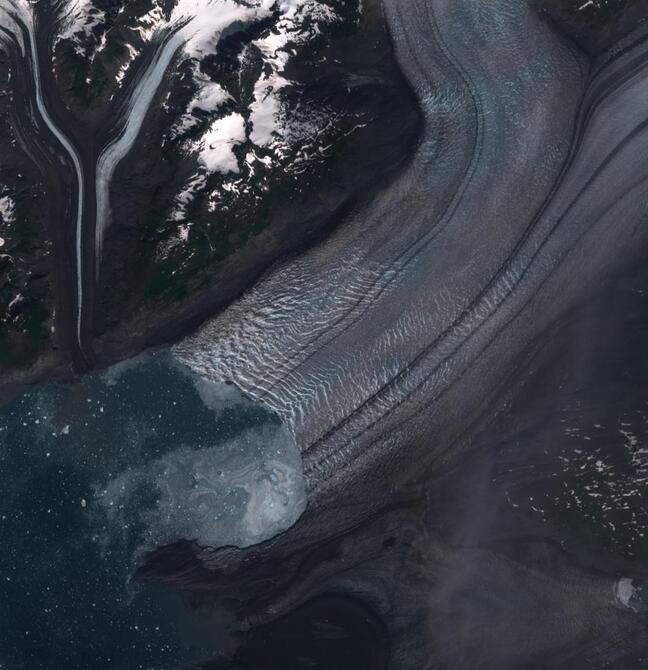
(78, 20)
(17, 17)
(7, 210)
(624, 590)
(196, 25)
(238, 493)
(216, 152)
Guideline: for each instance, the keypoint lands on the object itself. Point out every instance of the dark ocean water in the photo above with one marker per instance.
(68, 548)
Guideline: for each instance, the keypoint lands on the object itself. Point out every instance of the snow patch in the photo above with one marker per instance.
(148, 25)
(203, 21)
(216, 153)
(186, 197)
(300, 21)
(209, 98)
(132, 55)
(7, 214)
(79, 19)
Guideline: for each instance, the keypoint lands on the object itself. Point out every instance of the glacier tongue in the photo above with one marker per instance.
(237, 491)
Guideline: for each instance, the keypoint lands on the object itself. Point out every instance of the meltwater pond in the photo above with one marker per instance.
(96, 473)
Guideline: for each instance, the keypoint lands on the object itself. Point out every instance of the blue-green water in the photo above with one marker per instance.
(94, 474)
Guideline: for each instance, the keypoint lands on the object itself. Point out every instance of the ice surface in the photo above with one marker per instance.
(235, 489)
(17, 18)
(147, 423)
(624, 590)
(632, 593)
(7, 215)
(238, 493)
(7, 210)
(403, 280)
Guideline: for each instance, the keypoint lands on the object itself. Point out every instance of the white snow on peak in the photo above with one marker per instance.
(193, 30)
(196, 184)
(148, 24)
(209, 98)
(132, 55)
(299, 22)
(194, 25)
(216, 152)
(203, 21)
(79, 18)
(7, 215)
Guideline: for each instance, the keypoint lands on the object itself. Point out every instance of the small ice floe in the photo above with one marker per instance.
(7, 210)
(631, 593)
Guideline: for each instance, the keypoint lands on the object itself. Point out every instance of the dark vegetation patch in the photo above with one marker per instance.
(347, 74)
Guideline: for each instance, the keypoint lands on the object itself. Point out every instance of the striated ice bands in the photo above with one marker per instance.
(17, 20)
(393, 331)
